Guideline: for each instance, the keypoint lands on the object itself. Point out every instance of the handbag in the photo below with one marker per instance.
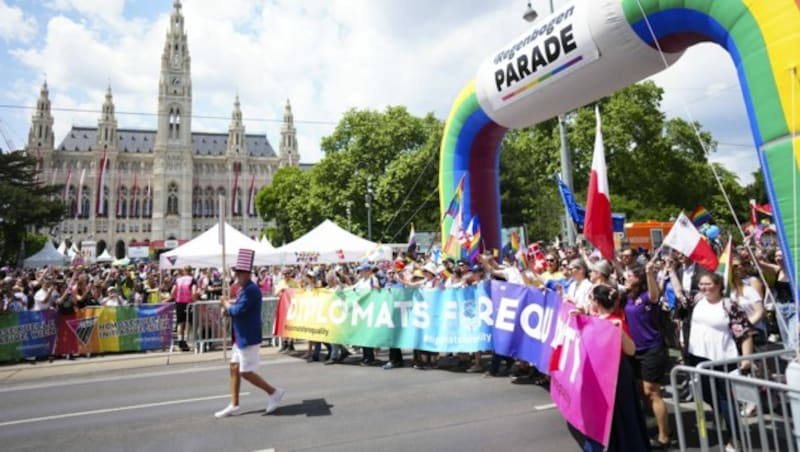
(666, 326)
(738, 322)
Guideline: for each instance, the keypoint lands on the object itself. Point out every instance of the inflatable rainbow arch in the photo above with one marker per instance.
(589, 49)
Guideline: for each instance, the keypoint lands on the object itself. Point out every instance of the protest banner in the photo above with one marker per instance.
(27, 334)
(583, 372)
(525, 323)
(115, 329)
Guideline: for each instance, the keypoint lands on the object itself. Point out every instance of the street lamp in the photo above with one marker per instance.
(530, 13)
(566, 161)
(368, 197)
(349, 206)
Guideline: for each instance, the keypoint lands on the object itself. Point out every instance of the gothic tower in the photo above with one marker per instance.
(235, 163)
(106, 138)
(288, 146)
(40, 137)
(172, 165)
(107, 125)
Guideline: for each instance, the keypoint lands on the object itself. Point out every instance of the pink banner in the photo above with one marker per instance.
(583, 372)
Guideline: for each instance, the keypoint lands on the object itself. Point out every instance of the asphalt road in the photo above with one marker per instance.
(326, 408)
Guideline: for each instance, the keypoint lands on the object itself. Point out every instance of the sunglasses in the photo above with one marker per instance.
(550, 260)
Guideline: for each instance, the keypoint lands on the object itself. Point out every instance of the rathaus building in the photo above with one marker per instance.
(132, 186)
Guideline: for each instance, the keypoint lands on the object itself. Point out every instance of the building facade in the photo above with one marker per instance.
(126, 186)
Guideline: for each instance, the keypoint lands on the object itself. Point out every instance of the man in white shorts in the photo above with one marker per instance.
(246, 315)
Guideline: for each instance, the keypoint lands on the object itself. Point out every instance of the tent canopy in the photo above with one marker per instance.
(48, 255)
(325, 244)
(205, 251)
(104, 257)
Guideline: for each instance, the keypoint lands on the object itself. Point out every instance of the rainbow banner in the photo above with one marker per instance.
(512, 320)
(119, 329)
(435, 320)
(27, 334)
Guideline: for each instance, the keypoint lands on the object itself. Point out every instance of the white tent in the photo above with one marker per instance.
(48, 255)
(73, 251)
(62, 248)
(325, 244)
(264, 242)
(104, 257)
(205, 251)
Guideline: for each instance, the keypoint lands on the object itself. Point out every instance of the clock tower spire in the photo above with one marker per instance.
(172, 163)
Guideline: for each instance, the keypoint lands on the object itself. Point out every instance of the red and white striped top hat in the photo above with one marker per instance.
(244, 262)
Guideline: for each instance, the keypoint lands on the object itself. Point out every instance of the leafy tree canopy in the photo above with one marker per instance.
(24, 204)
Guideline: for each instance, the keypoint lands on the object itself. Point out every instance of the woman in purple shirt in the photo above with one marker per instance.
(650, 361)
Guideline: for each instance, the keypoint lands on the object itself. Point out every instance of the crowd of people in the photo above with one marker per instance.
(663, 301)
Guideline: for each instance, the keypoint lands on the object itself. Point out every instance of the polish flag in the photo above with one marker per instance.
(597, 227)
(685, 238)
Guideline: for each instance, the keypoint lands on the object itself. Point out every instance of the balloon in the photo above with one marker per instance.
(712, 231)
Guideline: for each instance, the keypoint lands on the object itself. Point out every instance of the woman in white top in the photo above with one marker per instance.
(113, 298)
(710, 338)
(578, 291)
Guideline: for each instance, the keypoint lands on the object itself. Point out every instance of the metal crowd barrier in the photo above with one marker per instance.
(759, 405)
(206, 327)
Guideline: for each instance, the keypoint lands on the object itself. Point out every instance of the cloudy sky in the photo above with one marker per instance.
(325, 56)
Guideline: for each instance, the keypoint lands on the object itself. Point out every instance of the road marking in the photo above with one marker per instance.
(160, 373)
(115, 410)
(549, 406)
(271, 449)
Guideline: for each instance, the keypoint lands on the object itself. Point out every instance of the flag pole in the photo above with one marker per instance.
(225, 286)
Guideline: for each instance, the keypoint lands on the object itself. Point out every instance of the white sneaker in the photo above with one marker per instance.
(274, 399)
(229, 410)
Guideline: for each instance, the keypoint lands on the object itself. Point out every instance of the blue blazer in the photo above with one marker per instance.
(246, 315)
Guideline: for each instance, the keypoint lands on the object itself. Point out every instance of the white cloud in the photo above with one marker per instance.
(15, 25)
(326, 57)
(100, 13)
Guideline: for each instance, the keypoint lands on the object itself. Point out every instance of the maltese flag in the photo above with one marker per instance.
(597, 224)
(685, 238)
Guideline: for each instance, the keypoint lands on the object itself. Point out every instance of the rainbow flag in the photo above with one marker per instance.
(514, 241)
(724, 268)
(474, 245)
(458, 199)
(700, 216)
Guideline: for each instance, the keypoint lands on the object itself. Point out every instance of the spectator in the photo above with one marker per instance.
(710, 339)
(642, 311)
(628, 428)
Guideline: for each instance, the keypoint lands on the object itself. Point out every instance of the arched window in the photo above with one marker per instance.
(122, 211)
(237, 207)
(210, 210)
(147, 203)
(135, 202)
(174, 122)
(85, 202)
(172, 199)
(71, 202)
(197, 202)
(106, 193)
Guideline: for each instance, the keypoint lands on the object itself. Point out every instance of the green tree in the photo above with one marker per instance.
(528, 190)
(24, 204)
(283, 202)
(388, 150)
(656, 167)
